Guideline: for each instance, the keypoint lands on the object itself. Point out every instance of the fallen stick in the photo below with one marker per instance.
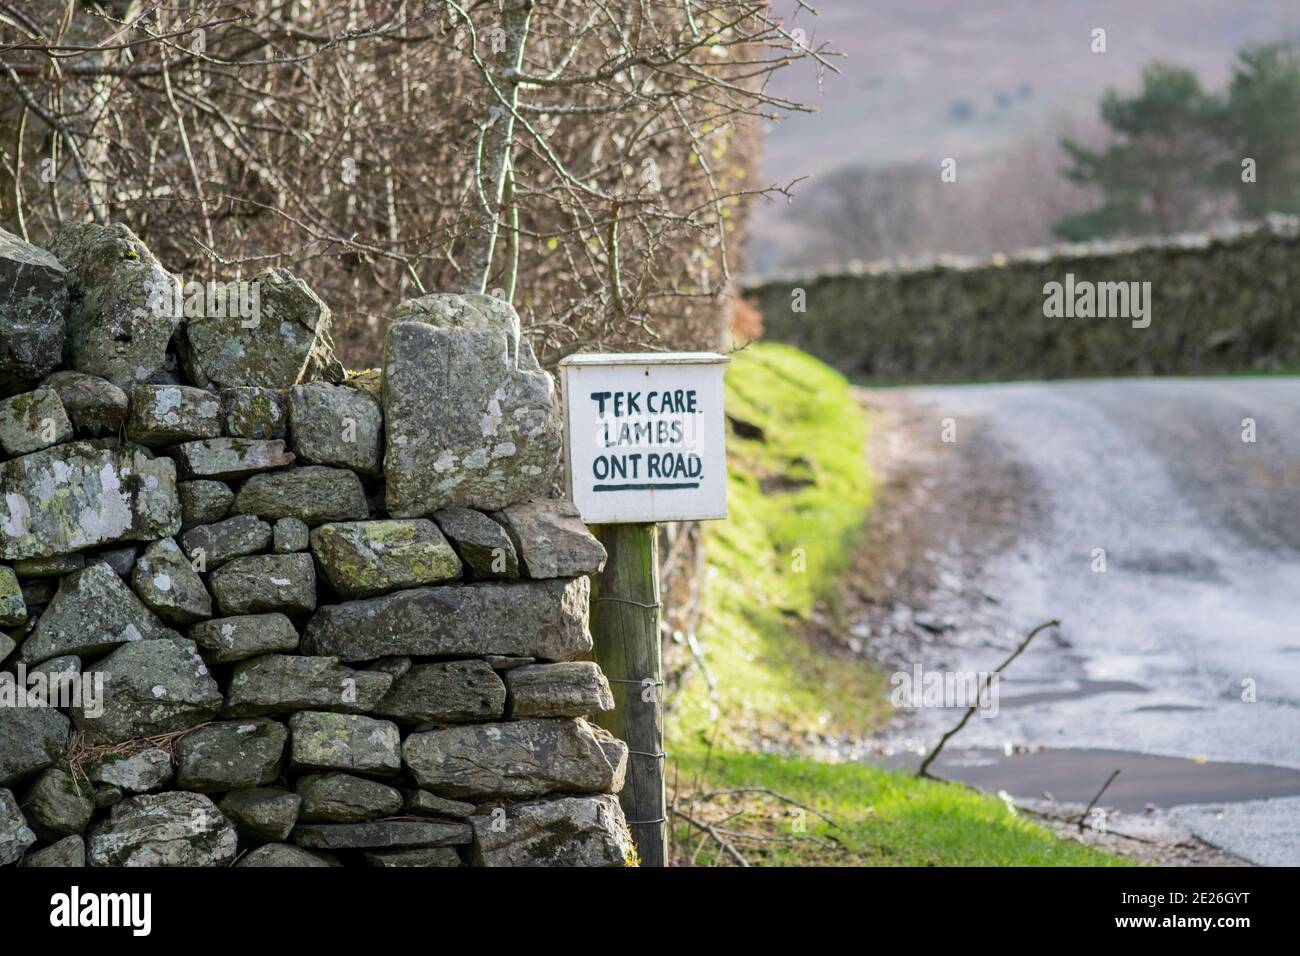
(712, 832)
(1111, 833)
(924, 770)
(1104, 787)
(768, 838)
(774, 794)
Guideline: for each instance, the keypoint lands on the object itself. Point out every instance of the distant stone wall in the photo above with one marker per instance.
(1223, 301)
(258, 610)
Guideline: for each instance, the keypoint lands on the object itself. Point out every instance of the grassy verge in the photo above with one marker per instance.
(855, 815)
(799, 492)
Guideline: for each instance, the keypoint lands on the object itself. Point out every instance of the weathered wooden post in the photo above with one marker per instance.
(644, 442)
(625, 634)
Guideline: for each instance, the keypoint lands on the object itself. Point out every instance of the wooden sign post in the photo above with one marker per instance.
(644, 442)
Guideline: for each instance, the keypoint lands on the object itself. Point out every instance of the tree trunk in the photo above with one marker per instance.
(497, 141)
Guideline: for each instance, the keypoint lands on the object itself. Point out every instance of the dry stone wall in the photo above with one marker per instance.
(1220, 301)
(258, 610)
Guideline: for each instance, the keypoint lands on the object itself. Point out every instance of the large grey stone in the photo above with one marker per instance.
(95, 405)
(568, 831)
(365, 558)
(55, 566)
(482, 543)
(470, 417)
(55, 667)
(167, 414)
(31, 738)
(108, 796)
(284, 855)
(137, 771)
(551, 540)
(281, 683)
(92, 612)
(285, 342)
(264, 814)
(343, 798)
(314, 494)
(422, 803)
(422, 856)
(396, 666)
(204, 501)
(451, 692)
(122, 304)
(163, 829)
(15, 835)
(32, 421)
(255, 412)
(212, 545)
(56, 682)
(545, 619)
(348, 742)
(265, 582)
(70, 852)
(525, 758)
(79, 495)
(33, 302)
(13, 609)
(169, 586)
(230, 458)
(224, 640)
(51, 672)
(150, 688)
(58, 804)
(290, 535)
(569, 689)
(121, 559)
(231, 754)
(381, 833)
(334, 425)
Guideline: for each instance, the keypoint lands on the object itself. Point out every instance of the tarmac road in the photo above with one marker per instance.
(1187, 644)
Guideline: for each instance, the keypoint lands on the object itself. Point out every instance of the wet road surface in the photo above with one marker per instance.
(1169, 547)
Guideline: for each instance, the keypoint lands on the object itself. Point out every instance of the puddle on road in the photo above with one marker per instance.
(1082, 688)
(1075, 776)
(1170, 709)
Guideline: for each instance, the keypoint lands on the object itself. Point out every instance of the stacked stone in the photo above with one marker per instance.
(1222, 300)
(336, 619)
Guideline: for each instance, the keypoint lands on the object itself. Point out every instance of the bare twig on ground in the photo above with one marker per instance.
(711, 831)
(1057, 818)
(740, 791)
(1104, 787)
(725, 831)
(924, 769)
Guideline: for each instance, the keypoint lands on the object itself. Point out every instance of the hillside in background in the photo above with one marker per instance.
(993, 85)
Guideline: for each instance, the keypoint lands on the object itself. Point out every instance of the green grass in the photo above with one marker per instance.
(881, 819)
(798, 497)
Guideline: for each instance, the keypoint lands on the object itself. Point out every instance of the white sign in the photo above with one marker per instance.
(644, 436)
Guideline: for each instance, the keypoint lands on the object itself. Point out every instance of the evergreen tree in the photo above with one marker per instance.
(1260, 125)
(1156, 174)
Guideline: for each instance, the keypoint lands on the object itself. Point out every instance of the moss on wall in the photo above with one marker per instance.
(1222, 301)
